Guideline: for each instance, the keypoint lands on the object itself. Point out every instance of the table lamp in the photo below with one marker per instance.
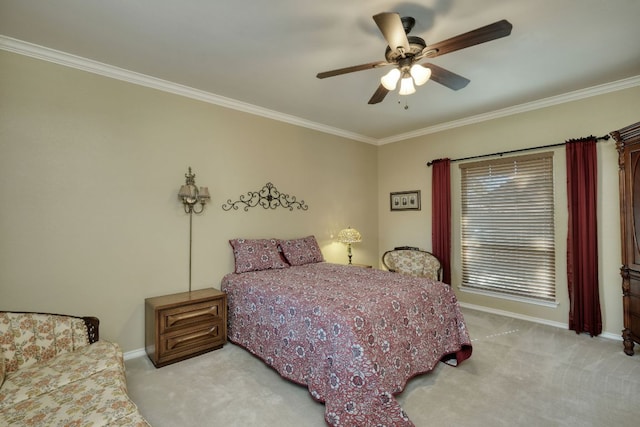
(349, 236)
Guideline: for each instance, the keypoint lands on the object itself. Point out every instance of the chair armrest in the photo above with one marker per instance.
(93, 328)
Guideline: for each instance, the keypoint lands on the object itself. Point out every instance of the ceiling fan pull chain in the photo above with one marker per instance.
(406, 104)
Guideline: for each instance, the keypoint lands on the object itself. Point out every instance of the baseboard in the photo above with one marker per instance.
(134, 354)
(560, 325)
(141, 351)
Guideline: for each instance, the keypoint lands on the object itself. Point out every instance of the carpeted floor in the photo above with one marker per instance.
(520, 374)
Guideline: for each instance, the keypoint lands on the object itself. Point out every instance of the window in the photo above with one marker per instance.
(508, 242)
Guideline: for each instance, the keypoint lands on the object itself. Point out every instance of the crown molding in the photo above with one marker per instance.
(517, 109)
(62, 58)
(68, 60)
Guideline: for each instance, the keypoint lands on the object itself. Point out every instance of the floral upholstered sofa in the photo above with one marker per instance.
(55, 372)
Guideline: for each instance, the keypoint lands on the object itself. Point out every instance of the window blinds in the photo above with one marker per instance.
(508, 243)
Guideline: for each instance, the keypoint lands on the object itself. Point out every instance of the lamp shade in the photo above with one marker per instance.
(184, 192)
(349, 235)
(390, 80)
(406, 86)
(189, 193)
(420, 74)
(203, 194)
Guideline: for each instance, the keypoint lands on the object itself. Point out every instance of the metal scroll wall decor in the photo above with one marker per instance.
(268, 197)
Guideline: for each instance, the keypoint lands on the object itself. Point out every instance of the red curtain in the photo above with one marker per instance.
(441, 215)
(582, 239)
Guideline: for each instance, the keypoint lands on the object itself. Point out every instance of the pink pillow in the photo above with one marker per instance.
(256, 254)
(301, 251)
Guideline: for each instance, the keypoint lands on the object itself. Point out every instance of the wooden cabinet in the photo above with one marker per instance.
(362, 265)
(184, 325)
(628, 145)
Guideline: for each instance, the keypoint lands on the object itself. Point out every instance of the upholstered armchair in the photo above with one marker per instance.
(413, 261)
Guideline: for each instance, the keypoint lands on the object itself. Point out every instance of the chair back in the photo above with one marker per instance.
(413, 261)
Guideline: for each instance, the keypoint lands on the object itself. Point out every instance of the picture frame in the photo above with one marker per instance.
(405, 200)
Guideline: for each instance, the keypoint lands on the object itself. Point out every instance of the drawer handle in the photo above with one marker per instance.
(176, 342)
(175, 318)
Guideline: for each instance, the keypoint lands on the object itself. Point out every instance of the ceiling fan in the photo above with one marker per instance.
(404, 52)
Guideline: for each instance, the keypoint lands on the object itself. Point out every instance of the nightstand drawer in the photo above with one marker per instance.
(181, 317)
(191, 340)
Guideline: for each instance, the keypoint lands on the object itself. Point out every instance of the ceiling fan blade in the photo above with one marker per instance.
(481, 35)
(391, 27)
(446, 77)
(351, 69)
(379, 95)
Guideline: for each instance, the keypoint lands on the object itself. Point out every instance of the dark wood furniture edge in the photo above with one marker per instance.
(93, 328)
(186, 356)
(92, 323)
(627, 139)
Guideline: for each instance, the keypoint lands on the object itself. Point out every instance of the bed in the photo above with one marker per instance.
(353, 336)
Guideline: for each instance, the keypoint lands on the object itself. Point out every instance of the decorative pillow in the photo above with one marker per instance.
(256, 254)
(301, 251)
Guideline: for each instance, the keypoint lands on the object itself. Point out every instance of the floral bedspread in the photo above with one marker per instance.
(354, 336)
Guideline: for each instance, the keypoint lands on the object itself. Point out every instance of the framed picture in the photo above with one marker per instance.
(405, 200)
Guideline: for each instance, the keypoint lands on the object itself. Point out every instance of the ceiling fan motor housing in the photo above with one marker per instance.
(407, 23)
(416, 46)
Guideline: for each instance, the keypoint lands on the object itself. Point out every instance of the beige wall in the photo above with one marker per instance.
(90, 168)
(402, 166)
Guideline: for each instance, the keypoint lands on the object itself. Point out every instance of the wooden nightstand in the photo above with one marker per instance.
(362, 265)
(184, 325)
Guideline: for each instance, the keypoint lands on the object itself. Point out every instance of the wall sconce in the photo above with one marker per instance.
(349, 236)
(191, 198)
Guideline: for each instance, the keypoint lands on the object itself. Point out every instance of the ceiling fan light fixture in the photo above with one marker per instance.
(406, 85)
(390, 80)
(403, 51)
(420, 74)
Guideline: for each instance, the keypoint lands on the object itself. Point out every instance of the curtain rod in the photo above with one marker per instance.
(602, 138)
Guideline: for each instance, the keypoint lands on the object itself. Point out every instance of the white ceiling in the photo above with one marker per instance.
(266, 54)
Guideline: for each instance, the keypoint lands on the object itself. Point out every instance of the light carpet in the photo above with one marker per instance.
(520, 374)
